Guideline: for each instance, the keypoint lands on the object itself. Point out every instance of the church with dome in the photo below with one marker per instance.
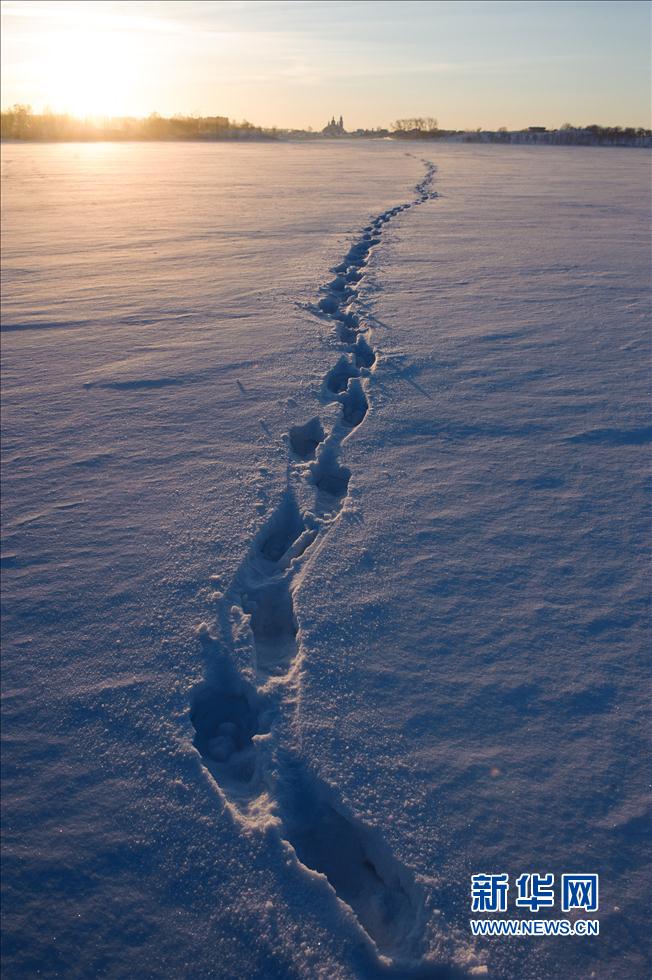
(334, 128)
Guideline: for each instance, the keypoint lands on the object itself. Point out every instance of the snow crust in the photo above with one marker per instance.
(323, 554)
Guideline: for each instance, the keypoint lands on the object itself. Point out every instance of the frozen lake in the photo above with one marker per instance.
(324, 552)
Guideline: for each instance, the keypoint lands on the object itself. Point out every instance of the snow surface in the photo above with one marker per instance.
(323, 554)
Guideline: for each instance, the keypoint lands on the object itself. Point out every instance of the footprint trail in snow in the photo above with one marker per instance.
(243, 716)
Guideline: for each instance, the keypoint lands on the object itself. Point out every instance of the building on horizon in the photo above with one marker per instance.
(334, 128)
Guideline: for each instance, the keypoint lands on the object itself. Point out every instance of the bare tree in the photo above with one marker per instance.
(419, 124)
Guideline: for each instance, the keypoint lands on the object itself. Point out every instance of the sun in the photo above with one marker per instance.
(91, 72)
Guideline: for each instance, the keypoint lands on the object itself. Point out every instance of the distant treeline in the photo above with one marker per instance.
(566, 135)
(20, 123)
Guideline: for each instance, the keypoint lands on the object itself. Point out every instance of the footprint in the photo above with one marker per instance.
(338, 285)
(329, 476)
(345, 335)
(273, 625)
(337, 378)
(225, 713)
(349, 318)
(358, 866)
(328, 304)
(358, 252)
(354, 403)
(284, 527)
(304, 439)
(363, 354)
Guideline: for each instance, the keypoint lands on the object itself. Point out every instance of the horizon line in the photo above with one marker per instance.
(232, 123)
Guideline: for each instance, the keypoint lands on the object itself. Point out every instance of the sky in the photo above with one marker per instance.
(294, 63)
